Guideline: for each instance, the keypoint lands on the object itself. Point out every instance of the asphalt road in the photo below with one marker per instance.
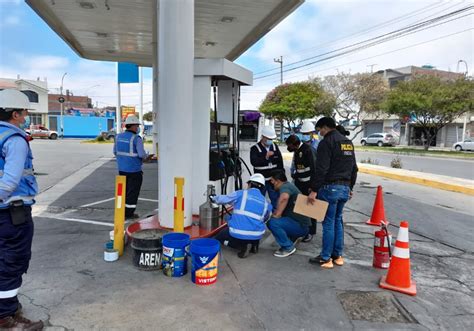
(55, 160)
(434, 165)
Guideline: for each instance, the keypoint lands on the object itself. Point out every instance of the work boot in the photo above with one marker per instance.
(18, 322)
(326, 264)
(244, 251)
(19, 309)
(254, 248)
(338, 260)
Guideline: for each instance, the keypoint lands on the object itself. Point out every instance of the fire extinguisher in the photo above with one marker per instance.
(382, 248)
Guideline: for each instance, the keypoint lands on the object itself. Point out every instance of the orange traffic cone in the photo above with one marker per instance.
(399, 276)
(378, 212)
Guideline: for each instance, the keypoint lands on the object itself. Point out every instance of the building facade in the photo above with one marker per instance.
(37, 92)
(407, 132)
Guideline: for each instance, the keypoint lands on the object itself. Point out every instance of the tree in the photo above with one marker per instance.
(292, 102)
(358, 97)
(431, 102)
(148, 116)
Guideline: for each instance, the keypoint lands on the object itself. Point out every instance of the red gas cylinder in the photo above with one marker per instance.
(382, 252)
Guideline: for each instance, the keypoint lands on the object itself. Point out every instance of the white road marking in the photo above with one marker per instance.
(145, 199)
(55, 217)
(96, 203)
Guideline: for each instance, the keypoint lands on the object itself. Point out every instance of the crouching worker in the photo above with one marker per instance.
(246, 225)
(287, 227)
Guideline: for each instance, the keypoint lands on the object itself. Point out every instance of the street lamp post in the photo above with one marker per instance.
(62, 106)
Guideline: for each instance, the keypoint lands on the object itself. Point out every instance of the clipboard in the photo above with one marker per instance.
(316, 210)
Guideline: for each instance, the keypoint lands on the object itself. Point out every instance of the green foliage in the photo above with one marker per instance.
(431, 102)
(396, 163)
(148, 116)
(100, 138)
(296, 101)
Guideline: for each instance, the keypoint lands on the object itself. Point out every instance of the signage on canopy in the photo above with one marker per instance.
(127, 73)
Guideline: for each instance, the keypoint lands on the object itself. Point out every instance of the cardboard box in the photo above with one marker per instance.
(316, 210)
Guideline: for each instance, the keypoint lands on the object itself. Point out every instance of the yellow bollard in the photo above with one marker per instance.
(178, 204)
(119, 215)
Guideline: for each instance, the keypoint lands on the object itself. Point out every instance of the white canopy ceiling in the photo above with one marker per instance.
(122, 30)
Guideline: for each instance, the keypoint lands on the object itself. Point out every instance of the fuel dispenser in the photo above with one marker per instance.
(230, 129)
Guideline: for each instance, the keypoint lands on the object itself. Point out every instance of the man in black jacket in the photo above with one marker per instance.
(304, 172)
(336, 174)
(265, 156)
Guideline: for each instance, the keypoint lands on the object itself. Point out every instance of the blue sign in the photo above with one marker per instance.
(127, 72)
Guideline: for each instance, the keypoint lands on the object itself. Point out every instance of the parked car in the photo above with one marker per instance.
(379, 139)
(39, 131)
(109, 135)
(466, 145)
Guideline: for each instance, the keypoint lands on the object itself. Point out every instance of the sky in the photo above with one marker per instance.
(29, 48)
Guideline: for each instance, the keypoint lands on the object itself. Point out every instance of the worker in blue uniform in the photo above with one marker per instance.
(130, 154)
(246, 226)
(17, 192)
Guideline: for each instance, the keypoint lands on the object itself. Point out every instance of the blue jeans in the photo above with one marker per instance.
(333, 229)
(285, 230)
(272, 194)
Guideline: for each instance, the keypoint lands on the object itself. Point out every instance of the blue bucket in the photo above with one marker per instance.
(175, 251)
(205, 258)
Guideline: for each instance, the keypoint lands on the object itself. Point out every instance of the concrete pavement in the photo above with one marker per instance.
(71, 287)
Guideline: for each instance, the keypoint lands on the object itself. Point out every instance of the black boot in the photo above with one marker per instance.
(254, 248)
(244, 251)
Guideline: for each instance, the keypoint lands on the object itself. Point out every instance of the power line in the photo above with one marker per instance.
(381, 54)
(375, 41)
(384, 37)
(376, 27)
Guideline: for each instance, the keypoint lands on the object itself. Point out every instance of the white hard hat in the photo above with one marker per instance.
(132, 119)
(14, 99)
(269, 132)
(307, 127)
(257, 178)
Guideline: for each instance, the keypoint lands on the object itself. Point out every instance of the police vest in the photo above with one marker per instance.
(126, 152)
(27, 187)
(250, 210)
(303, 160)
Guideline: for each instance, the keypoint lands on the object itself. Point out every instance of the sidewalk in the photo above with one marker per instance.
(447, 183)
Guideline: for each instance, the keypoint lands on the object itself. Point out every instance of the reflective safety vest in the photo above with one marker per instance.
(126, 152)
(260, 164)
(27, 187)
(304, 164)
(249, 215)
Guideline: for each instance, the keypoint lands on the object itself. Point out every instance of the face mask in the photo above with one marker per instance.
(306, 137)
(269, 142)
(26, 124)
(138, 130)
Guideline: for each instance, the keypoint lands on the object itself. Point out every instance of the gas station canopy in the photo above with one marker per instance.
(122, 30)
